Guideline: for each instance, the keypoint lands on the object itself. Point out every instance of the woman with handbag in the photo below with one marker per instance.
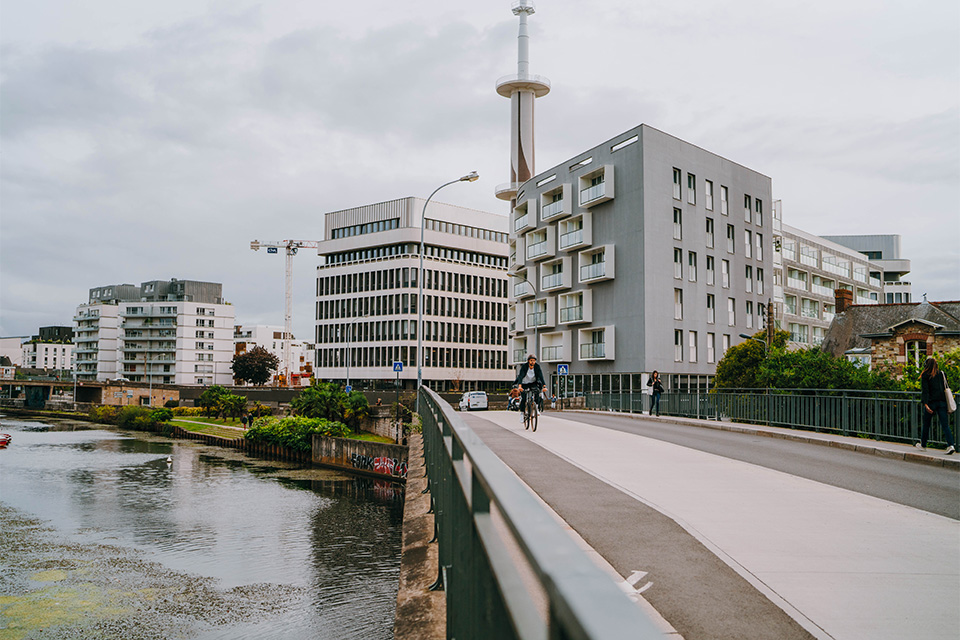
(933, 399)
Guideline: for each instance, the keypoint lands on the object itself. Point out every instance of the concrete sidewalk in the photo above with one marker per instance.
(842, 565)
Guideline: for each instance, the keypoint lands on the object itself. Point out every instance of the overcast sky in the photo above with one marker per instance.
(154, 140)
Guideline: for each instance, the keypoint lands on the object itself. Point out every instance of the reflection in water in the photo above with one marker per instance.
(215, 514)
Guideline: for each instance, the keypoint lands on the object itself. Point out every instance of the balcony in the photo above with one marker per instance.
(876, 283)
(593, 350)
(538, 319)
(537, 250)
(597, 186)
(521, 223)
(522, 290)
(571, 314)
(797, 283)
(593, 271)
(592, 193)
(552, 281)
(809, 313)
(553, 209)
(571, 239)
(809, 260)
(819, 289)
(519, 355)
(552, 353)
(827, 316)
(836, 269)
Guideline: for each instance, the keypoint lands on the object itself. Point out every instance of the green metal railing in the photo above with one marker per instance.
(508, 568)
(883, 415)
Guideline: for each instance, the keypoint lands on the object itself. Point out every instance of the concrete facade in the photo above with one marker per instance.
(47, 355)
(367, 291)
(635, 255)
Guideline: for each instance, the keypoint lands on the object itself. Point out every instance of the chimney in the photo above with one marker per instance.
(843, 299)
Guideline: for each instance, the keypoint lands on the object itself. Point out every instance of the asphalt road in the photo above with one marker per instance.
(929, 488)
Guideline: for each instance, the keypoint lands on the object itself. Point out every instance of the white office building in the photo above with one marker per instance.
(367, 292)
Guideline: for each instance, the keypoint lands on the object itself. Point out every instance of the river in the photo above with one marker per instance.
(102, 537)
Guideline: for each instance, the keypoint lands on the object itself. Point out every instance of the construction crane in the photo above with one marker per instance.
(290, 247)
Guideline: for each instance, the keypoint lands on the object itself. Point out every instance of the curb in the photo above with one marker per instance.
(947, 462)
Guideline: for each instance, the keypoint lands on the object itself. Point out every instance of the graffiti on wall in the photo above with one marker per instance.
(384, 465)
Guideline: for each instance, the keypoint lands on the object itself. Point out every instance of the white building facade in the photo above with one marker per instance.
(48, 355)
(367, 292)
(163, 332)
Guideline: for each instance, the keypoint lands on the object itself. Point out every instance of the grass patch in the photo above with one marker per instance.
(370, 437)
(227, 422)
(210, 429)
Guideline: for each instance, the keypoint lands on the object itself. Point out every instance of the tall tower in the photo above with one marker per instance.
(522, 89)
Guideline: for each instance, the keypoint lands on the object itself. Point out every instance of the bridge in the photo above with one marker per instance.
(725, 530)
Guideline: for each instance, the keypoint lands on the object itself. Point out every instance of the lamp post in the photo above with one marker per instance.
(536, 327)
(763, 342)
(470, 177)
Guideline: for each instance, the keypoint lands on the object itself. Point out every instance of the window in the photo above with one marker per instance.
(749, 313)
(758, 212)
(724, 204)
(676, 184)
(678, 345)
(708, 194)
(725, 343)
(711, 309)
(731, 248)
(709, 232)
(725, 273)
(678, 263)
(678, 304)
(691, 189)
(710, 270)
(711, 347)
(731, 312)
(760, 281)
(759, 246)
(692, 342)
(748, 275)
(692, 264)
(677, 224)
(747, 208)
(747, 243)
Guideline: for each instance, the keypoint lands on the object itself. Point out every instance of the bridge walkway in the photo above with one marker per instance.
(735, 550)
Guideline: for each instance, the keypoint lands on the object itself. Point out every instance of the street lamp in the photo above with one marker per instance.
(763, 342)
(470, 177)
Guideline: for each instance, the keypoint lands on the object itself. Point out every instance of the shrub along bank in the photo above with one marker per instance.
(295, 432)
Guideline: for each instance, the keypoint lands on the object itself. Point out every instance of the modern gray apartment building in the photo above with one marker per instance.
(642, 253)
(368, 286)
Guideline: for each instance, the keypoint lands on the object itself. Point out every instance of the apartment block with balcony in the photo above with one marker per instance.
(163, 332)
(368, 288)
(301, 354)
(621, 255)
(809, 268)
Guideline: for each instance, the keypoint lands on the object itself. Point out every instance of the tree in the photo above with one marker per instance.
(356, 409)
(325, 400)
(230, 405)
(210, 398)
(739, 367)
(255, 366)
(948, 362)
(813, 368)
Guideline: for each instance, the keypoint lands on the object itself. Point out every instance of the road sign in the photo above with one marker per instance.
(271, 249)
(398, 366)
(348, 388)
(563, 369)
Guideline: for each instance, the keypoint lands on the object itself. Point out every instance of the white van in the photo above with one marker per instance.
(473, 400)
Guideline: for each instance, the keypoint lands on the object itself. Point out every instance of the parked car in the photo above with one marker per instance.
(473, 400)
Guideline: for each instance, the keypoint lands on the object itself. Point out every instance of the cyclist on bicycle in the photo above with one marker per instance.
(530, 376)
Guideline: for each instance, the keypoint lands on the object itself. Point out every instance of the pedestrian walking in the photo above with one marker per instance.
(657, 387)
(933, 399)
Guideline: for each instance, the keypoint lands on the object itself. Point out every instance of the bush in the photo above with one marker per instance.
(104, 414)
(127, 417)
(161, 415)
(170, 404)
(295, 432)
(188, 411)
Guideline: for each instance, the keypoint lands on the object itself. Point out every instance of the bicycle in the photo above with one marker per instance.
(531, 411)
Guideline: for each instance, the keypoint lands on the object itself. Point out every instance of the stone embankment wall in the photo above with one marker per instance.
(369, 458)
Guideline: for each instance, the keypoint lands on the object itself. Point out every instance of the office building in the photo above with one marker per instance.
(367, 292)
(645, 252)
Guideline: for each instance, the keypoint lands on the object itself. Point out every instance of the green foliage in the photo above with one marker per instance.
(255, 366)
(104, 414)
(188, 411)
(739, 368)
(231, 405)
(161, 414)
(210, 398)
(356, 409)
(170, 404)
(325, 400)
(128, 416)
(812, 368)
(295, 432)
(949, 363)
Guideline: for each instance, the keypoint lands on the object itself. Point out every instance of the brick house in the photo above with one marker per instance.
(892, 335)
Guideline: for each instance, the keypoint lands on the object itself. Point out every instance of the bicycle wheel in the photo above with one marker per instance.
(526, 417)
(535, 418)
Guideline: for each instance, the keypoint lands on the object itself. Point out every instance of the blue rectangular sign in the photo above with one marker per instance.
(563, 369)
(398, 366)
(271, 249)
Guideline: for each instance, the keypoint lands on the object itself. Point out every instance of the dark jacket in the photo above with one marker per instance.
(931, 388)
(537, 372)
(657, 386)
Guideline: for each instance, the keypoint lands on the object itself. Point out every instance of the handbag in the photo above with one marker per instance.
(951, 401)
